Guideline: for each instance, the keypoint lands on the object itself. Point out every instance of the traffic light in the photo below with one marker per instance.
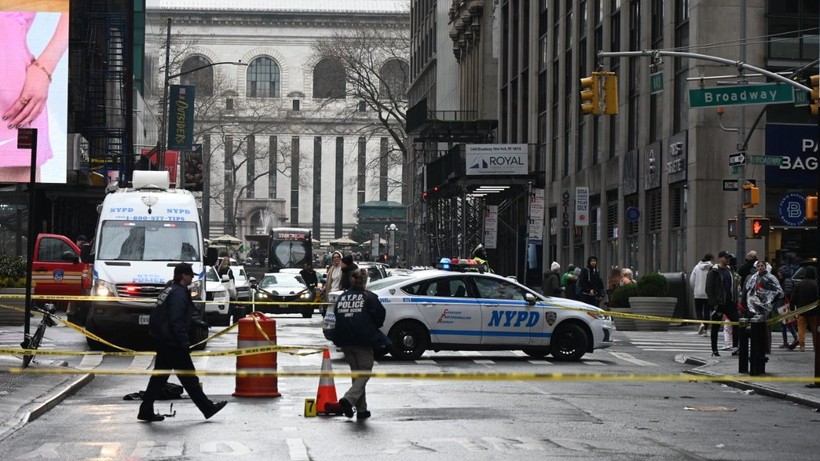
(814, 96)
(759, 228)
(751, 195)
(590, 95)
(733, 228)
(811, 208)
(610, 93)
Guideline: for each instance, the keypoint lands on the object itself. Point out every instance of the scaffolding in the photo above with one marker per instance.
(105, 116)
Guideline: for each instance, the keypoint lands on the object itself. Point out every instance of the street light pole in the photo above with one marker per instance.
(164, 121)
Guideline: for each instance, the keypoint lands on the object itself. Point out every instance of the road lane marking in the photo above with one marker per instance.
(297, 450)
(90, 361)
(141, 362)
(631, 359)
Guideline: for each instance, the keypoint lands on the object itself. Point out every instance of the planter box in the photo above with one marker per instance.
(8, 316)
(660, 307)
(623, 323)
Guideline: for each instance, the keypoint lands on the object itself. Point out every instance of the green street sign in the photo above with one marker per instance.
(741, 95)
(656, 83)
(767, 160)
(801, 98)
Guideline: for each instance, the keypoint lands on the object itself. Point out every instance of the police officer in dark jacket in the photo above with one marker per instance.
(171, 319)
(359, 315)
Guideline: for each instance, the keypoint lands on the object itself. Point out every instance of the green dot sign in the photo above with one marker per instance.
(741, 95)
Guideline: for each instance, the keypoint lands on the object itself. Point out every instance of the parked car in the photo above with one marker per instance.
(217, 299)
(284, 288)
(242, 283)
(375, 271)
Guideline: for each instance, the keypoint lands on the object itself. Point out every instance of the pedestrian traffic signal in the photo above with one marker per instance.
(610, 93)
(759, 228)
(811, 208)
(814, 96)
(590, 95)
(733, 228)
(751, 195)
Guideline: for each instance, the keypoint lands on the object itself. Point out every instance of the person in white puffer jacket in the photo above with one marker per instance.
(697, 280)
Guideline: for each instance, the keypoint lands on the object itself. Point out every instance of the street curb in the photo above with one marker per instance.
(744, 385)
(34, 409)
(53, 400)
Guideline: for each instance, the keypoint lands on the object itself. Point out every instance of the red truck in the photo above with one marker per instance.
(58, 270)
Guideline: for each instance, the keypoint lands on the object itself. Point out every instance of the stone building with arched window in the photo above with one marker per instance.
(283, 141)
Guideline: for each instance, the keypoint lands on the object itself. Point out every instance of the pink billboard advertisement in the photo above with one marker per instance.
(33, 87)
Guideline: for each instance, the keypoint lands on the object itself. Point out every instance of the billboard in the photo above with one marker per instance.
(34, 87)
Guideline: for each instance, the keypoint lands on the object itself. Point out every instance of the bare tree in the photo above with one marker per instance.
(372, 61)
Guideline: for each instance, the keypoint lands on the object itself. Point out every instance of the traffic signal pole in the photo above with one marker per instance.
(741, 144)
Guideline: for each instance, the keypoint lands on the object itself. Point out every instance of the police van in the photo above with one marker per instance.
(143, 232)
(461, 306)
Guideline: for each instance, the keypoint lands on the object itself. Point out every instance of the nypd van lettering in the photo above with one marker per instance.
(121, 210)
(177, 211)
(529, 319)
(148, 278)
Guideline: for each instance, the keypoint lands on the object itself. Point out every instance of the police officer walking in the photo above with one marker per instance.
(359, 315)
(171, 319)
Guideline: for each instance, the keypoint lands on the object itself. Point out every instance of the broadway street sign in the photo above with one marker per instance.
(741, 95)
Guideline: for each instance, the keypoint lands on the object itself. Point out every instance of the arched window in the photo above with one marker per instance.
(393, 79)
(202, 79)
(263, 78)
(329, 79)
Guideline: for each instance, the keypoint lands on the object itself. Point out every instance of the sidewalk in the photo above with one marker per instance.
(26, 397)
(782, 363)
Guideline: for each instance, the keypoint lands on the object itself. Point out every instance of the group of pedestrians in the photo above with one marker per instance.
(583, 283)
(723, 293)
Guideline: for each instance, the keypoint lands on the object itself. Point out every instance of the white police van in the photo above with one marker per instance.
(142, 233)
(460, 307)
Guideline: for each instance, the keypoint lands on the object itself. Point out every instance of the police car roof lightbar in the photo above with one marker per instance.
(460, 265)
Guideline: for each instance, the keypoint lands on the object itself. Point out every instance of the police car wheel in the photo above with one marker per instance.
(537, 352)
(410, 339)
(569, 343)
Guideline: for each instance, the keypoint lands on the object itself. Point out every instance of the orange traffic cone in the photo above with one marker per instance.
(327, 404)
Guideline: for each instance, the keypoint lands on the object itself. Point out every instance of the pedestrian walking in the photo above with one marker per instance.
(359, 315)
(748, 267)
(592, 287)
(721, 291)
(783, 306)
(761, 292)
(571, 289)
(551, 285)
(697, 280)
(628, 278)
(804, 293)
(169, 326)
(348, 266)
(616, 276)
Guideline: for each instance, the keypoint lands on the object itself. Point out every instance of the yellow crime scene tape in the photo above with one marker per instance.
(439, 376)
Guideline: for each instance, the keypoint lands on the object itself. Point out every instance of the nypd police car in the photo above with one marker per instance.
(460, 306)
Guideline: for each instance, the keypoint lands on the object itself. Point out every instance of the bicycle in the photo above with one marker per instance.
(33, 341)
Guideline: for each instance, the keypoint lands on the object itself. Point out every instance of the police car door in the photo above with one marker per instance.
(451, 314)
(508, 318)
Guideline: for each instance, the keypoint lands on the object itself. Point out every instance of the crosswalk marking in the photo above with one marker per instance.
(631, 359)
(662, 341)
(141, 362)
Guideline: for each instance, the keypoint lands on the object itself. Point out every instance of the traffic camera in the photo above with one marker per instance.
(759, 228)
(590, 95)
(751, 195)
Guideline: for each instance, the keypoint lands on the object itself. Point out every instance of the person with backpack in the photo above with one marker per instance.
(590, 286)
(551, 285)
(169, 324)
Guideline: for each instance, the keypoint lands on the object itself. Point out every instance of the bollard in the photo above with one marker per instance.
(758, 349)
(250, 336)
(743, 346)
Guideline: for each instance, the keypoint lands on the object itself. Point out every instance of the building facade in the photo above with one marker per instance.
(655, 172)
(283, 141)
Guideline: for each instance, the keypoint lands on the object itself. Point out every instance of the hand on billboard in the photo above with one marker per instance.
(32, 99)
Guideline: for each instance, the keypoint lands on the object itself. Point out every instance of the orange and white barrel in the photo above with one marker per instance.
(251, 336)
